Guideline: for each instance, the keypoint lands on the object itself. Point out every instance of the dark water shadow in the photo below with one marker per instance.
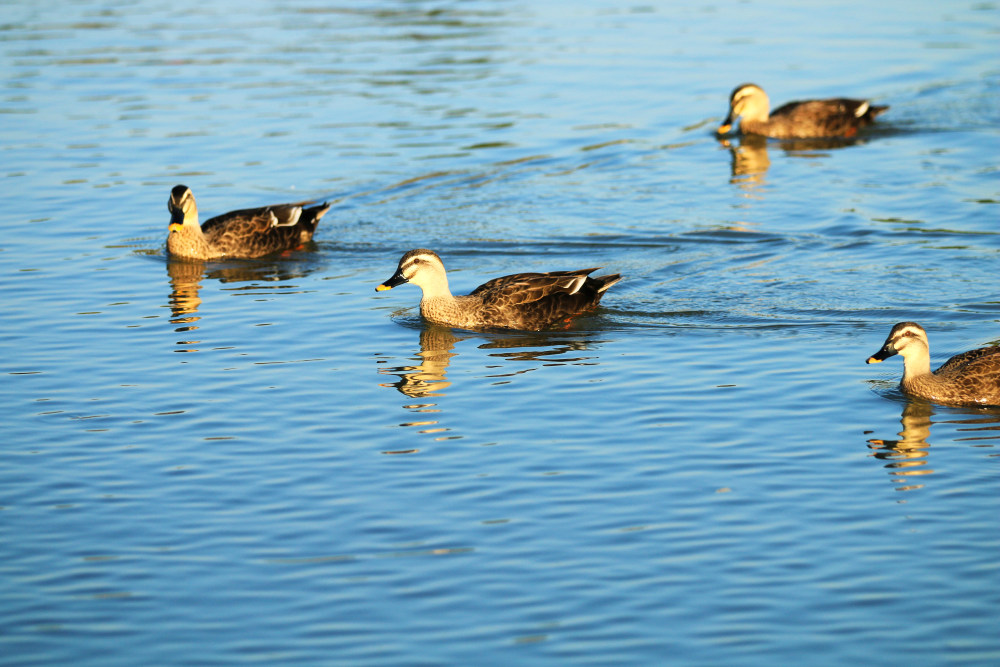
(426, 379)
(750, 159)
(186, 278)
(907, 457)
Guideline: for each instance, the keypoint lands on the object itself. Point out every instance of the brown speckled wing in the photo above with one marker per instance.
(525, 288)
(982, 357)
(251, 232)
(556, 308)
(822, 118)
(539, 300)
(971, 378)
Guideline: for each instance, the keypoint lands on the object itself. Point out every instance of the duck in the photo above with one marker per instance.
(526, 301)
(810, 119)
(246, 233)
(969, 378)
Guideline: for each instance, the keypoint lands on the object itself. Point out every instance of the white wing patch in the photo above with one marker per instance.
(293, 218)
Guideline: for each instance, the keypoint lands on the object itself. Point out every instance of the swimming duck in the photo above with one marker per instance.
(838, 117)
(247, 233)
(970, 378)
(529, 301)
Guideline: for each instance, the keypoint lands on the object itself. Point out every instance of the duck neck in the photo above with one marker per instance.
(754, 125)
(439, 305)
(435, 287)
(916, 361)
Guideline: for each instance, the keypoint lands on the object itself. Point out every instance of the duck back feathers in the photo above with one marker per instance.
(838, 117)
(541, 300)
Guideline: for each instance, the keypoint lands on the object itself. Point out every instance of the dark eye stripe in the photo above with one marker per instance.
(415, 260)
(412, 265)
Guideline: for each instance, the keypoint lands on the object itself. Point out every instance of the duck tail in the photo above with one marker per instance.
(311, 216)
(604, 282)
(876, 109)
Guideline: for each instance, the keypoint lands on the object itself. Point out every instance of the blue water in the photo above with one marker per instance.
(267, 462)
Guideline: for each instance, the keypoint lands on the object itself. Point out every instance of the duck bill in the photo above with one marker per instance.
(176, 220)
(397, 279)
(726, 125)
(881, 355)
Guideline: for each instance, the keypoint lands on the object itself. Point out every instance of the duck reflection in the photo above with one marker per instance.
(185, 283)
(906, 457)
(186, 277)
(750, 160)
(428, 377)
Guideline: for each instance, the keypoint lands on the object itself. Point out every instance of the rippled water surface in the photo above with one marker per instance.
(267, 462)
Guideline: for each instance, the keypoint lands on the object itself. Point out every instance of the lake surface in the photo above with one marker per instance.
(267, 462)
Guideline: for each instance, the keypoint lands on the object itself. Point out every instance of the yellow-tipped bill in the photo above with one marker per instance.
(396, 279)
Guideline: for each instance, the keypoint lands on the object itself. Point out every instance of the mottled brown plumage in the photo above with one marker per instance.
(837, 117)
(970, 378)
(247, 233)
(529, 301)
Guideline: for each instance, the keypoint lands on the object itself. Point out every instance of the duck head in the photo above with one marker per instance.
(182, 208)
(747, 101)
(906, 338)
(421, 267)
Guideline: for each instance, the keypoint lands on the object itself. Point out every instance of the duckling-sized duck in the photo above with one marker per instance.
(970, 378)
(529, 301)
(247, 233)
(811, 119)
